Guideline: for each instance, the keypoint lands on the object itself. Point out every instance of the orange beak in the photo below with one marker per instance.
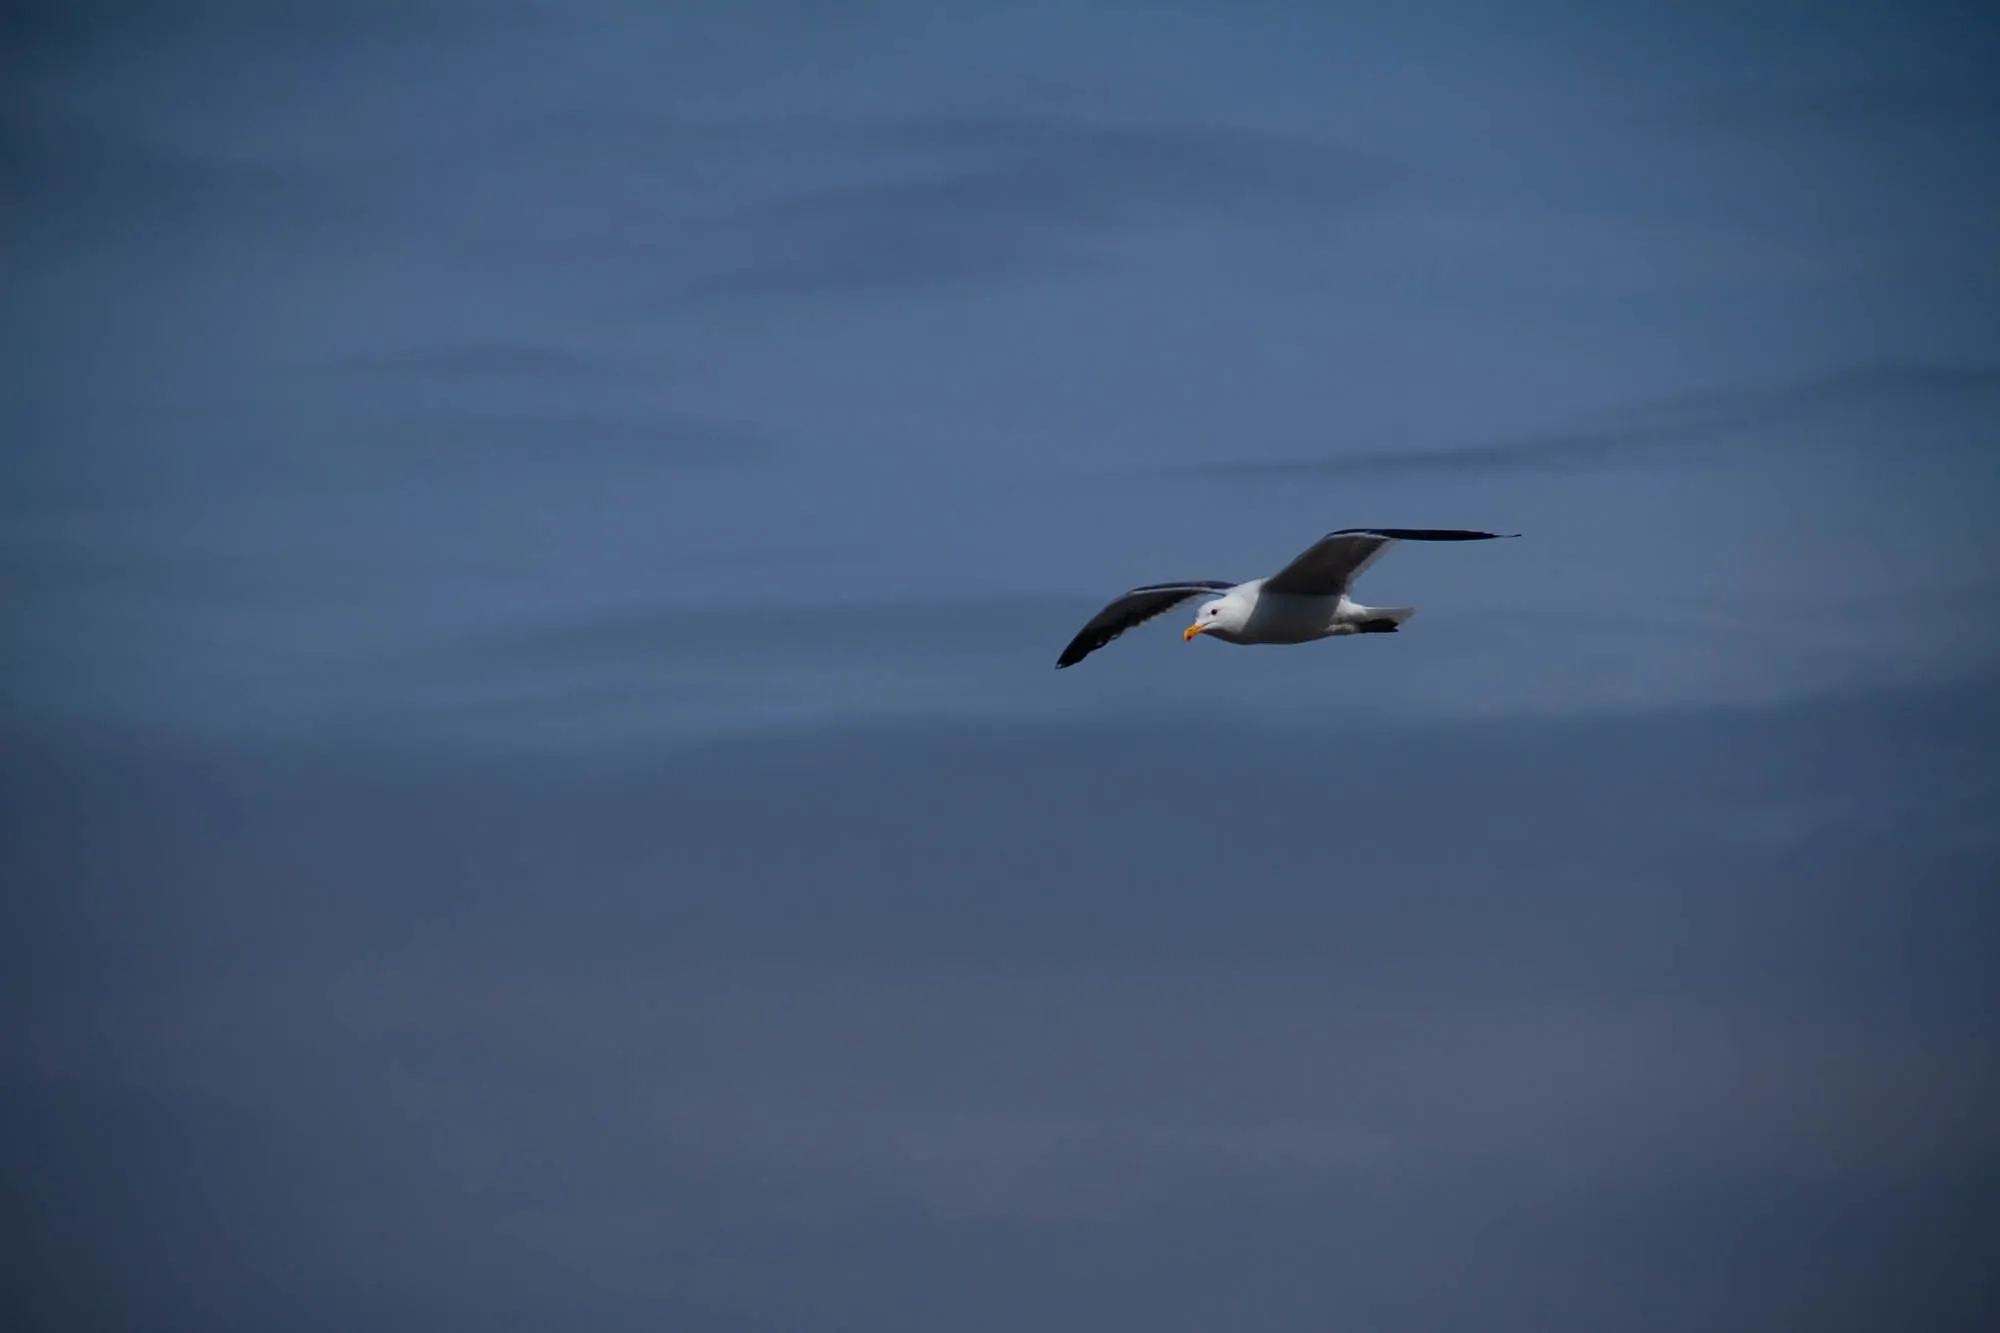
(1187, 635)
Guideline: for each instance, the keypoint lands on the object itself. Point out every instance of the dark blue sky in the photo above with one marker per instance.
(535, 538)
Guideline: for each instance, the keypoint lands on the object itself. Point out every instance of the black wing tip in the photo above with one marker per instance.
(1079, 648)
(1422, 534)
(1088, 642)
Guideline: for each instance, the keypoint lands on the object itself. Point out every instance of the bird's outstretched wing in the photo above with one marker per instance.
(1330, 565)
(1134, 608)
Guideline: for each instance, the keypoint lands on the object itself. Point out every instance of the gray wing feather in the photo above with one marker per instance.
(1134, 608)
(1330, 565)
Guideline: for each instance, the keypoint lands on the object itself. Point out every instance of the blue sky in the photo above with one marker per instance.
(537, 535)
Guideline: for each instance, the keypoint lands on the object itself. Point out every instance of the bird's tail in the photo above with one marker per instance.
(1383, 619)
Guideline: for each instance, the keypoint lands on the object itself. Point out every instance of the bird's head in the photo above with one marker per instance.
(1223, 613)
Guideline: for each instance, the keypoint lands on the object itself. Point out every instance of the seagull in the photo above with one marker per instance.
(1305, 600)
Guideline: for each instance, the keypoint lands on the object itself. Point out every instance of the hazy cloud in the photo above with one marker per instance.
(71, 179)
(497, 361)
(1853, 107)
(1663, 428)
(989, 196)
(642, 1030)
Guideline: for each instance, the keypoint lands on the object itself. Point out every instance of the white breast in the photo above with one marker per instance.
(1282, 618)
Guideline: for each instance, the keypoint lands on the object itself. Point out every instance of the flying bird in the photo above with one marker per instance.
(1305, 600)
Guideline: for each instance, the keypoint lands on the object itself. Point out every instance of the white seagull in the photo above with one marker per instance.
(1305, 600)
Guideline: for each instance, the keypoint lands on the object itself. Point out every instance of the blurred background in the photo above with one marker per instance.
(535, 538)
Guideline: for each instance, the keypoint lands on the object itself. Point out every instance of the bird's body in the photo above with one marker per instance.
(1304, 601)
(1276, 617)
